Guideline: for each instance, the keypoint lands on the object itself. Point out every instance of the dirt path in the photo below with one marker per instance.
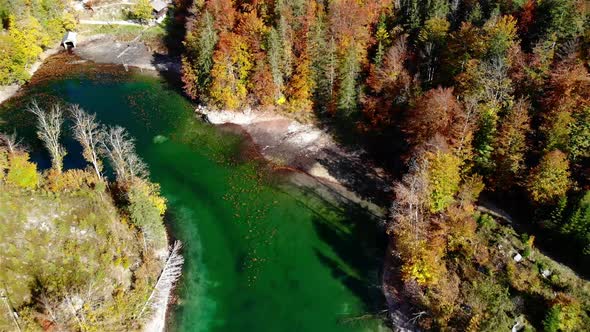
(117, 22)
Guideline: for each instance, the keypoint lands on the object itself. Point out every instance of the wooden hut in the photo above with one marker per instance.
(69, 40)
(159, 10)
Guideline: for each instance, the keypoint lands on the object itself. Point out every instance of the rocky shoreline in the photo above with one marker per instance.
(336, 174)
(347, 176)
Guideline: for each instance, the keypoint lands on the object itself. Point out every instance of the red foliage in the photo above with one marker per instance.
(224, 13)
(526, 17)
(437, 112)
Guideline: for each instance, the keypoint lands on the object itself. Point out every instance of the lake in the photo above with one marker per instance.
(261, 254)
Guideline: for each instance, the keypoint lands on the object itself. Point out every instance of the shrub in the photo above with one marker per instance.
(141, 11)
(22, 172)
(70, 180)
(3, 163)
(564, 315)
(146, 208)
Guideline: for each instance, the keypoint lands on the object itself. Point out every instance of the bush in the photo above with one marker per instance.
(146, 208)
(22, 172)
(565, 315)
(141, 11)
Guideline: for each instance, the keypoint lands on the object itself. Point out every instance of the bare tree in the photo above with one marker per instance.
(87, 132)
(120, 149)
(12, 143)
(49, 130)
(11, 312)
(170, 274)
(411, 194)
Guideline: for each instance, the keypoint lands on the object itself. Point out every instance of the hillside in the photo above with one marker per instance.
(79, 252)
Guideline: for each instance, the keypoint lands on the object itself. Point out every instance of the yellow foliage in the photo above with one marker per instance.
(158, 201)
(550, 179)
(435, 29)
(22, 172)
(230, 71)
(300, 88)
(425, 265)
(71, 180)
(504, 26)
(3, 163)
(444, 178)
(152, 191)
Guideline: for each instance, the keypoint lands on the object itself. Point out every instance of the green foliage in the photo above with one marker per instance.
(565, 315)
(484, 138)
(550, 180)
(501, 32)
(348, 72)
(198, 60)
(579, 140)
(500, 108)
(31, 27)
(146, 208)
(141, 11)
(444, 178)
(78, 239)
(275, 60)
(22, 172)
(490, 300)
(68, 242)
(558, 135)
(564, 18)
(486, 221)
(551, 321)
(434, 30)
(577, 225)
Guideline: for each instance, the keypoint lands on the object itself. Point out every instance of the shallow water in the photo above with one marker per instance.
(261, 255)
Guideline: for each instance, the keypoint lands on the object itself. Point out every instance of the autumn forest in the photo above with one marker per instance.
(480, 101)
(474, 113)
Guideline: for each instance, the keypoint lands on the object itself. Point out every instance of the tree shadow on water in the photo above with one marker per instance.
(355, 248)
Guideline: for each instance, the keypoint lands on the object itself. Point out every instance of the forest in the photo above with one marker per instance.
(480, 101)
(114, 227)
(28, 28)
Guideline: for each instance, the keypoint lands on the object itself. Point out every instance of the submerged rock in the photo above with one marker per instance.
(158, 139)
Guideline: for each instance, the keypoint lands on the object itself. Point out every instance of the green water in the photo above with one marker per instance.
(261, 255)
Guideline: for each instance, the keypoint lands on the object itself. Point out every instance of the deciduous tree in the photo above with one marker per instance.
(437, 112)
(510, 145)
(87, 131)
(232, 66)
(550, 179)
(49, 131)
(120, 149)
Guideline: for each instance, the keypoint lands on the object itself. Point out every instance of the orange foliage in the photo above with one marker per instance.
(71, 180)
(224, 13)
(437, 112)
